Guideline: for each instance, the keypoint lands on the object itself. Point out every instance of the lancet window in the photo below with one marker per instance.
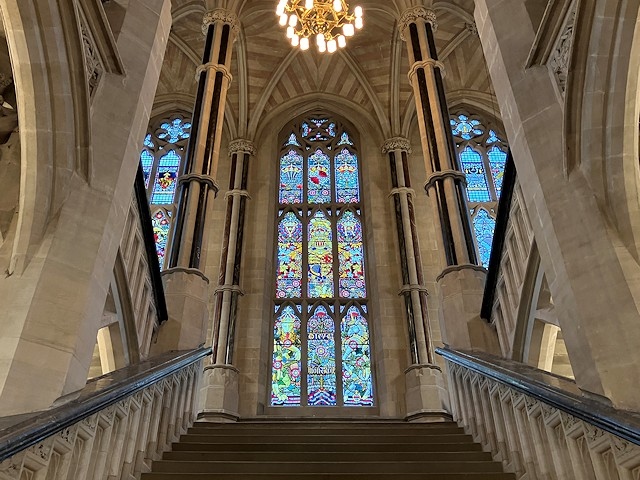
(482, 152)
(321, 345)
(160, 159)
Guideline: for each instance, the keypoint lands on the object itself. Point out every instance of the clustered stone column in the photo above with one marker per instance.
(413, 289)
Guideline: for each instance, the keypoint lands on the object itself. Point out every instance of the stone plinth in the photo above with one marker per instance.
(427, 398)
(186, 294)
(461, 289)
(219, 394)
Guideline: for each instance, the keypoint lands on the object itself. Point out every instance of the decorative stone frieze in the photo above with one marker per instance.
(241, 145)
(396, 143)
(412, 14)
(93, 63)
(561, 55)
(221, 15)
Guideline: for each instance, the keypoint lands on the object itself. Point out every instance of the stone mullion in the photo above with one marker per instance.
(413, 287)
(229, 288)
(199, 186)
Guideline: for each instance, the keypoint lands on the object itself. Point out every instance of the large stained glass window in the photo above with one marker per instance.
(482, 152)
(160, 159)
(321, 343)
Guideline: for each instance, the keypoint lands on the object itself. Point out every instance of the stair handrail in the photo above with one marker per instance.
(559, 392)
(98, 394)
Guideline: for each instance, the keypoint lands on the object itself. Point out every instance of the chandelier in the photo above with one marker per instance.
(329, 21)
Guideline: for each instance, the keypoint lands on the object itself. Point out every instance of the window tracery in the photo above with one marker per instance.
(482, 152)
(321, 345)
(160, 160)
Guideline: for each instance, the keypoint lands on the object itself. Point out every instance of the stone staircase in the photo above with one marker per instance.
(326, 450)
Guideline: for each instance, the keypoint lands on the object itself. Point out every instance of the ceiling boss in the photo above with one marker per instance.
(328, 21)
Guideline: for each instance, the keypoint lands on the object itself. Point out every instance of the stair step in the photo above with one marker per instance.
(319, 438)
(338, 456)
(331, 476)
(338, 446)
(325, 424)
(389, 431)
(166, 466)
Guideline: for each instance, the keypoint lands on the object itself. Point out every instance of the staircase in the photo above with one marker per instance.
(326, 450)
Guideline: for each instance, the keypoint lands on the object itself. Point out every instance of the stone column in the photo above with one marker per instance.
(220, 385)
(186, 286)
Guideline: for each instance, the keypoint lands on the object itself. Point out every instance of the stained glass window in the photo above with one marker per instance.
(160, 160)
(320, 232)
(483, 156)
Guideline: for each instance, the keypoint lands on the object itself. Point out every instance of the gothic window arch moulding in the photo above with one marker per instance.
(320, 352)
(482, 153)
(163, 150)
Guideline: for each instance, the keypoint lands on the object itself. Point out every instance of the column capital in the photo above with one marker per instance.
(396, 143)
(410, 15)
(241, 145)
(223, 16)
(429, 62)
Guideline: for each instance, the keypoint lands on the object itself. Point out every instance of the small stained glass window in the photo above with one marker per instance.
(161, 222)
(474, 169)
(484, 226)
(320, 272)
(166, 179)
(466, 128)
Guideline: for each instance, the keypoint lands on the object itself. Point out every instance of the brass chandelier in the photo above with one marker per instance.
(329, 21)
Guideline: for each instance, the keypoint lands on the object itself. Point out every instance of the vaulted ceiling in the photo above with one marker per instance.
(370, 72)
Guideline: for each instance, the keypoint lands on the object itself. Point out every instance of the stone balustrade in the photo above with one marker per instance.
(539, 425)
(116, 427)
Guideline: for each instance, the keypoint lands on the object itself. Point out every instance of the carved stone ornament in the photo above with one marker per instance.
(569, 421)
(221, 15)
(414, 13)
(241, 145)
(93, 64)
(396, 143)
(471, 28)
(11, 466)
(593, 433)
(561, 56)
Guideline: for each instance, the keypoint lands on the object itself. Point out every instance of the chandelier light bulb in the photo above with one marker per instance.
(337, 5)
(293, 20)
(304, 43)
(283, 19)
(308, 4)
(332, 46)
(342, 41)
(295, 40)
(322, 47)
(280, 9)
(348, 29)
(320, 38)
(290, 32)
(359, 23)
(358, 11)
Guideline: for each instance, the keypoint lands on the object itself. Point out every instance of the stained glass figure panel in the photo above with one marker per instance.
(321, 359)
(497, 161)
(347, 183)
(484, 226)
(466, 128)
(351, 257)
(291, 178)
(287, 348)
(320, 253)
(473, 168)
(174, 131)
(356, 359)
(146, 161)
(289, 262)
(161, 224)
(319, 178)
(164, 187)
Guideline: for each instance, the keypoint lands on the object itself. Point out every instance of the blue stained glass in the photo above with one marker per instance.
(493, 138)
(331, 130)
(347, 183)
(161, 224)
(174, 131)
(497, 161)
(484, 226)
(287, 346)
(319, 180)
(289, 268)
(306, 129)
(147, 141)
(293, 140)
(356, 359)
(291, 178)
(473, 168)
(321, 361)
(164, 187)
(345, 140)
(351, 257)
(146, 161)
(320, 251)
(466, 128)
